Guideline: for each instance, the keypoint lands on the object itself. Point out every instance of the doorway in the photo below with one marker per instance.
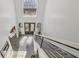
(29, 28)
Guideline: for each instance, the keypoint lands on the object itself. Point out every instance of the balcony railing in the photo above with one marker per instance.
(52, 50)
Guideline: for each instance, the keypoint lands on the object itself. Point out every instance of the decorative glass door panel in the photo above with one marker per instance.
(29, 28)
(32, 27)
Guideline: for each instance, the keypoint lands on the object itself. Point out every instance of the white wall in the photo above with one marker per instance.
(20, 16)
(7, 19)
(40, 13)
(62, 20)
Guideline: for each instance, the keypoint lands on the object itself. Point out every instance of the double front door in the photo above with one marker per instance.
(29, 28)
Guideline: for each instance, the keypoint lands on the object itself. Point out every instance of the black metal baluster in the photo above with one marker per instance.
(42, 42)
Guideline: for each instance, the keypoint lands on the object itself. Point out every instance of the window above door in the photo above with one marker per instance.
(30, 7)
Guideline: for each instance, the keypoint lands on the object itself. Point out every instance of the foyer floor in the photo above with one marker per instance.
(25, 47)
(22, 45)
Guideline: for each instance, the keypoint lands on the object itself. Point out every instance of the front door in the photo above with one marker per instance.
(29, 28)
